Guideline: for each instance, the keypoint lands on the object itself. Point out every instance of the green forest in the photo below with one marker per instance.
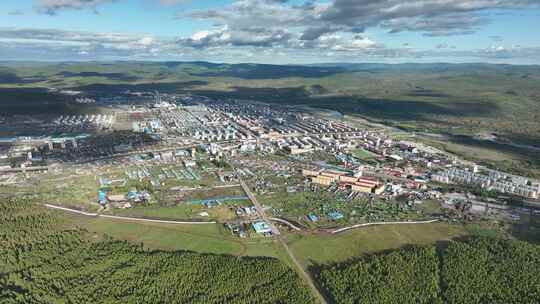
(44, 260)
(476, 270)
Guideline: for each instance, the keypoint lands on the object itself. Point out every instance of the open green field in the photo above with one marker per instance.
(180, 212)
(323, 249)
(183, 211)
(67, 189)
(308, 248)
(207, 238)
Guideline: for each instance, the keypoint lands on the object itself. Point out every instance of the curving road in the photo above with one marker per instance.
(381, 223)
(123, 217)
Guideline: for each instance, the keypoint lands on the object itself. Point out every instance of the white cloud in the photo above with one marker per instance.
(52, 7)
(198, 36)
(146, 41)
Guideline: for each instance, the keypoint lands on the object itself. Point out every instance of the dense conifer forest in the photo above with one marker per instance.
(43, 260)
(477, 270)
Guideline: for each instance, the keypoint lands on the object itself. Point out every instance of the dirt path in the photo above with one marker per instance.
(381, 223)
(302, 272)
(284, 222)
(300, 269)
(123, 217)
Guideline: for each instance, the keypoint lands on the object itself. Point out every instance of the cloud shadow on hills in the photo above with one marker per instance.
(12, 78)
(110, 76)
(384, 109)
(164, 87)
(264, 71)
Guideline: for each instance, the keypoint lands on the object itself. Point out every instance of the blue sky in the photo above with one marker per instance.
(272, 31)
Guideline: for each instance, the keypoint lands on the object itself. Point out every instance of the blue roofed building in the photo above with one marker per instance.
(262, 227)
(312, 217)
(334, 216)
(102, 197)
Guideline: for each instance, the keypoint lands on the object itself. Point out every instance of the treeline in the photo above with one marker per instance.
(42, 260)
(477, 270)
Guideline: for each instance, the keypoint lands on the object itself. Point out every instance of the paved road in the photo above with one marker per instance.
(260, 211)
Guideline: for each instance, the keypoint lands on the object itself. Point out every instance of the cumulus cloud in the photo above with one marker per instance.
(339, 29)
(340, 26)
(254, 36)
(57, 43)
(272, 23)
(29, 44)
(51, 7)
(433, 17)
(314, 19)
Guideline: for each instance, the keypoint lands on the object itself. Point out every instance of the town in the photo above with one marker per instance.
(254, 167)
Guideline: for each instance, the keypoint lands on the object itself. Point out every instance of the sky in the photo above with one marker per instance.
(272, 31)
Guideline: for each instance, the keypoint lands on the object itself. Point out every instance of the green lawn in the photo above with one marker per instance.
(322, 249)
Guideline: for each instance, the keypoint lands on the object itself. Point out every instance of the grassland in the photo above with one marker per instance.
(183, 211)
(310, 249)
(323, 249)
(67, 189)
(209, 238)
